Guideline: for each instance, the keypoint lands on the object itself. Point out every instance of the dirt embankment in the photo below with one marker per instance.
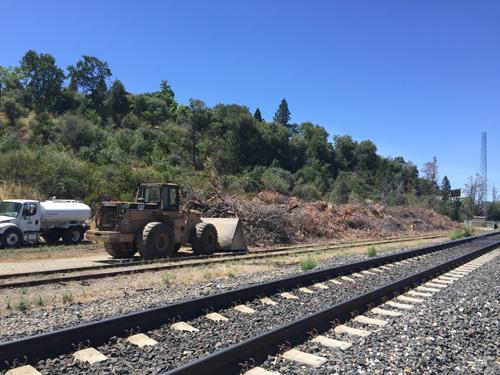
(271, 218)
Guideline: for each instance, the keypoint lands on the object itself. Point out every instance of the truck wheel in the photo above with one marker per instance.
(120, 250)
(72, 235)
(204, 240)
(12, 237)
(51, 237)
(157, 241)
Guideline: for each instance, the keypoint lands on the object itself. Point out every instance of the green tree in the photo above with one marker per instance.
(11, 106)
(445, 189)
(283, 114)
(167, 94)
(118, 103)
(43, 79)
(345, 149)
(89, 75)
(257, 115)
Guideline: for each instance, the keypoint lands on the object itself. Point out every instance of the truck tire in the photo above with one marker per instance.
(73, 235)
(51, 237)
(120, 250)
(204, 239)
(157, 241)
(12, 237)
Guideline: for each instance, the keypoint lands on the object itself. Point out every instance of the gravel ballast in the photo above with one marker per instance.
(456, 331)
(176, 348)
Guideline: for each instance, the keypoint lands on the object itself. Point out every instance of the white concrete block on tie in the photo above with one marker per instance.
(448, 278)
(440, 281)
(141, 340)
(331, 343)
(383, 312)
(268, 301)
(377, 270)
(432, 284)
(216, 317)
(402, 306)
(287, 295)
(371, 321)
(357, 274)
(260, 371)
(335, 282)
(23, 370)
(346, 278)
(305, 358)
(90, 355)
(368, 272)
(306, 290)
(351, 331)
(410, 299)
(320, 286)
(418, 294)
(244, 309)
(183, 326)
(426, 289)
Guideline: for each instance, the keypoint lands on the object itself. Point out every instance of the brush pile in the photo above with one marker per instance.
(271, 218)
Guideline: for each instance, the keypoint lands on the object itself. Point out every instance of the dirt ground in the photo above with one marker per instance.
(49, 296)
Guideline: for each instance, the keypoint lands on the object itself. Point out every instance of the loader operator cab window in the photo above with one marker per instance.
(170, 199)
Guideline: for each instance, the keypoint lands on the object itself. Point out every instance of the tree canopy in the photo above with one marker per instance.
(90, 138)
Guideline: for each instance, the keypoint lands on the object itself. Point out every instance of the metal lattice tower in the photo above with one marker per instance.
(484, 168)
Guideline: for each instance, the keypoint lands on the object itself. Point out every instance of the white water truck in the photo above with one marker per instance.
(23, 221)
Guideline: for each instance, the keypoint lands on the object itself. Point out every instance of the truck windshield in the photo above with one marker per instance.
(10, 208)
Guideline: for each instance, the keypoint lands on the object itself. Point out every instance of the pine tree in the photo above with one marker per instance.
(283, 114)
(445, 189)
(257, 115)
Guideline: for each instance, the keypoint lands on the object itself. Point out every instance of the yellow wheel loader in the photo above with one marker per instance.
(156, 227)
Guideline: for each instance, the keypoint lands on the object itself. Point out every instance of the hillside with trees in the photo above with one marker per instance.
(78, 133)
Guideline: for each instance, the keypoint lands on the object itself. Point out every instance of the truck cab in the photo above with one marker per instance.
(23, 215)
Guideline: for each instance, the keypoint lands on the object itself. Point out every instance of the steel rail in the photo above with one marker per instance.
(177, 263)
(256, 349)
(36, 347)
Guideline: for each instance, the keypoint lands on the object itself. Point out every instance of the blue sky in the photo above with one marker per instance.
(419, 78)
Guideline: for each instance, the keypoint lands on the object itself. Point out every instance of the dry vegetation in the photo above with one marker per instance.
(271, 218)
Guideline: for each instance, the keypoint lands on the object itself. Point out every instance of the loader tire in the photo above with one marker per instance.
(73, 235)
(157, 241)
(204, 239)
(120, 250)
(51, 237)
(12, 237)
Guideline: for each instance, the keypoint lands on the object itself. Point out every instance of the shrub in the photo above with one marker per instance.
(39, 301)
(460, 233)
(308, 263)
(167, 278)
(372, 251)
(22, 305)
(278, 180)
(67, 297)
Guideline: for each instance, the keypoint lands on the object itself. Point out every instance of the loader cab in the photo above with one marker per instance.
(162, 196)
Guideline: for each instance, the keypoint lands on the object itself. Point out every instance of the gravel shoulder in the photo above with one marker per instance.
(77, 302)
(457, 331)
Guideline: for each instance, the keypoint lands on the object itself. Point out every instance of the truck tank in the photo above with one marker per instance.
(64, 211)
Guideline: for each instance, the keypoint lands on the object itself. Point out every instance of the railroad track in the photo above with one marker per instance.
(22, 280)
(165, 325)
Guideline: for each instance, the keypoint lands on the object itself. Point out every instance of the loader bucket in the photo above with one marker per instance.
(229, 233)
